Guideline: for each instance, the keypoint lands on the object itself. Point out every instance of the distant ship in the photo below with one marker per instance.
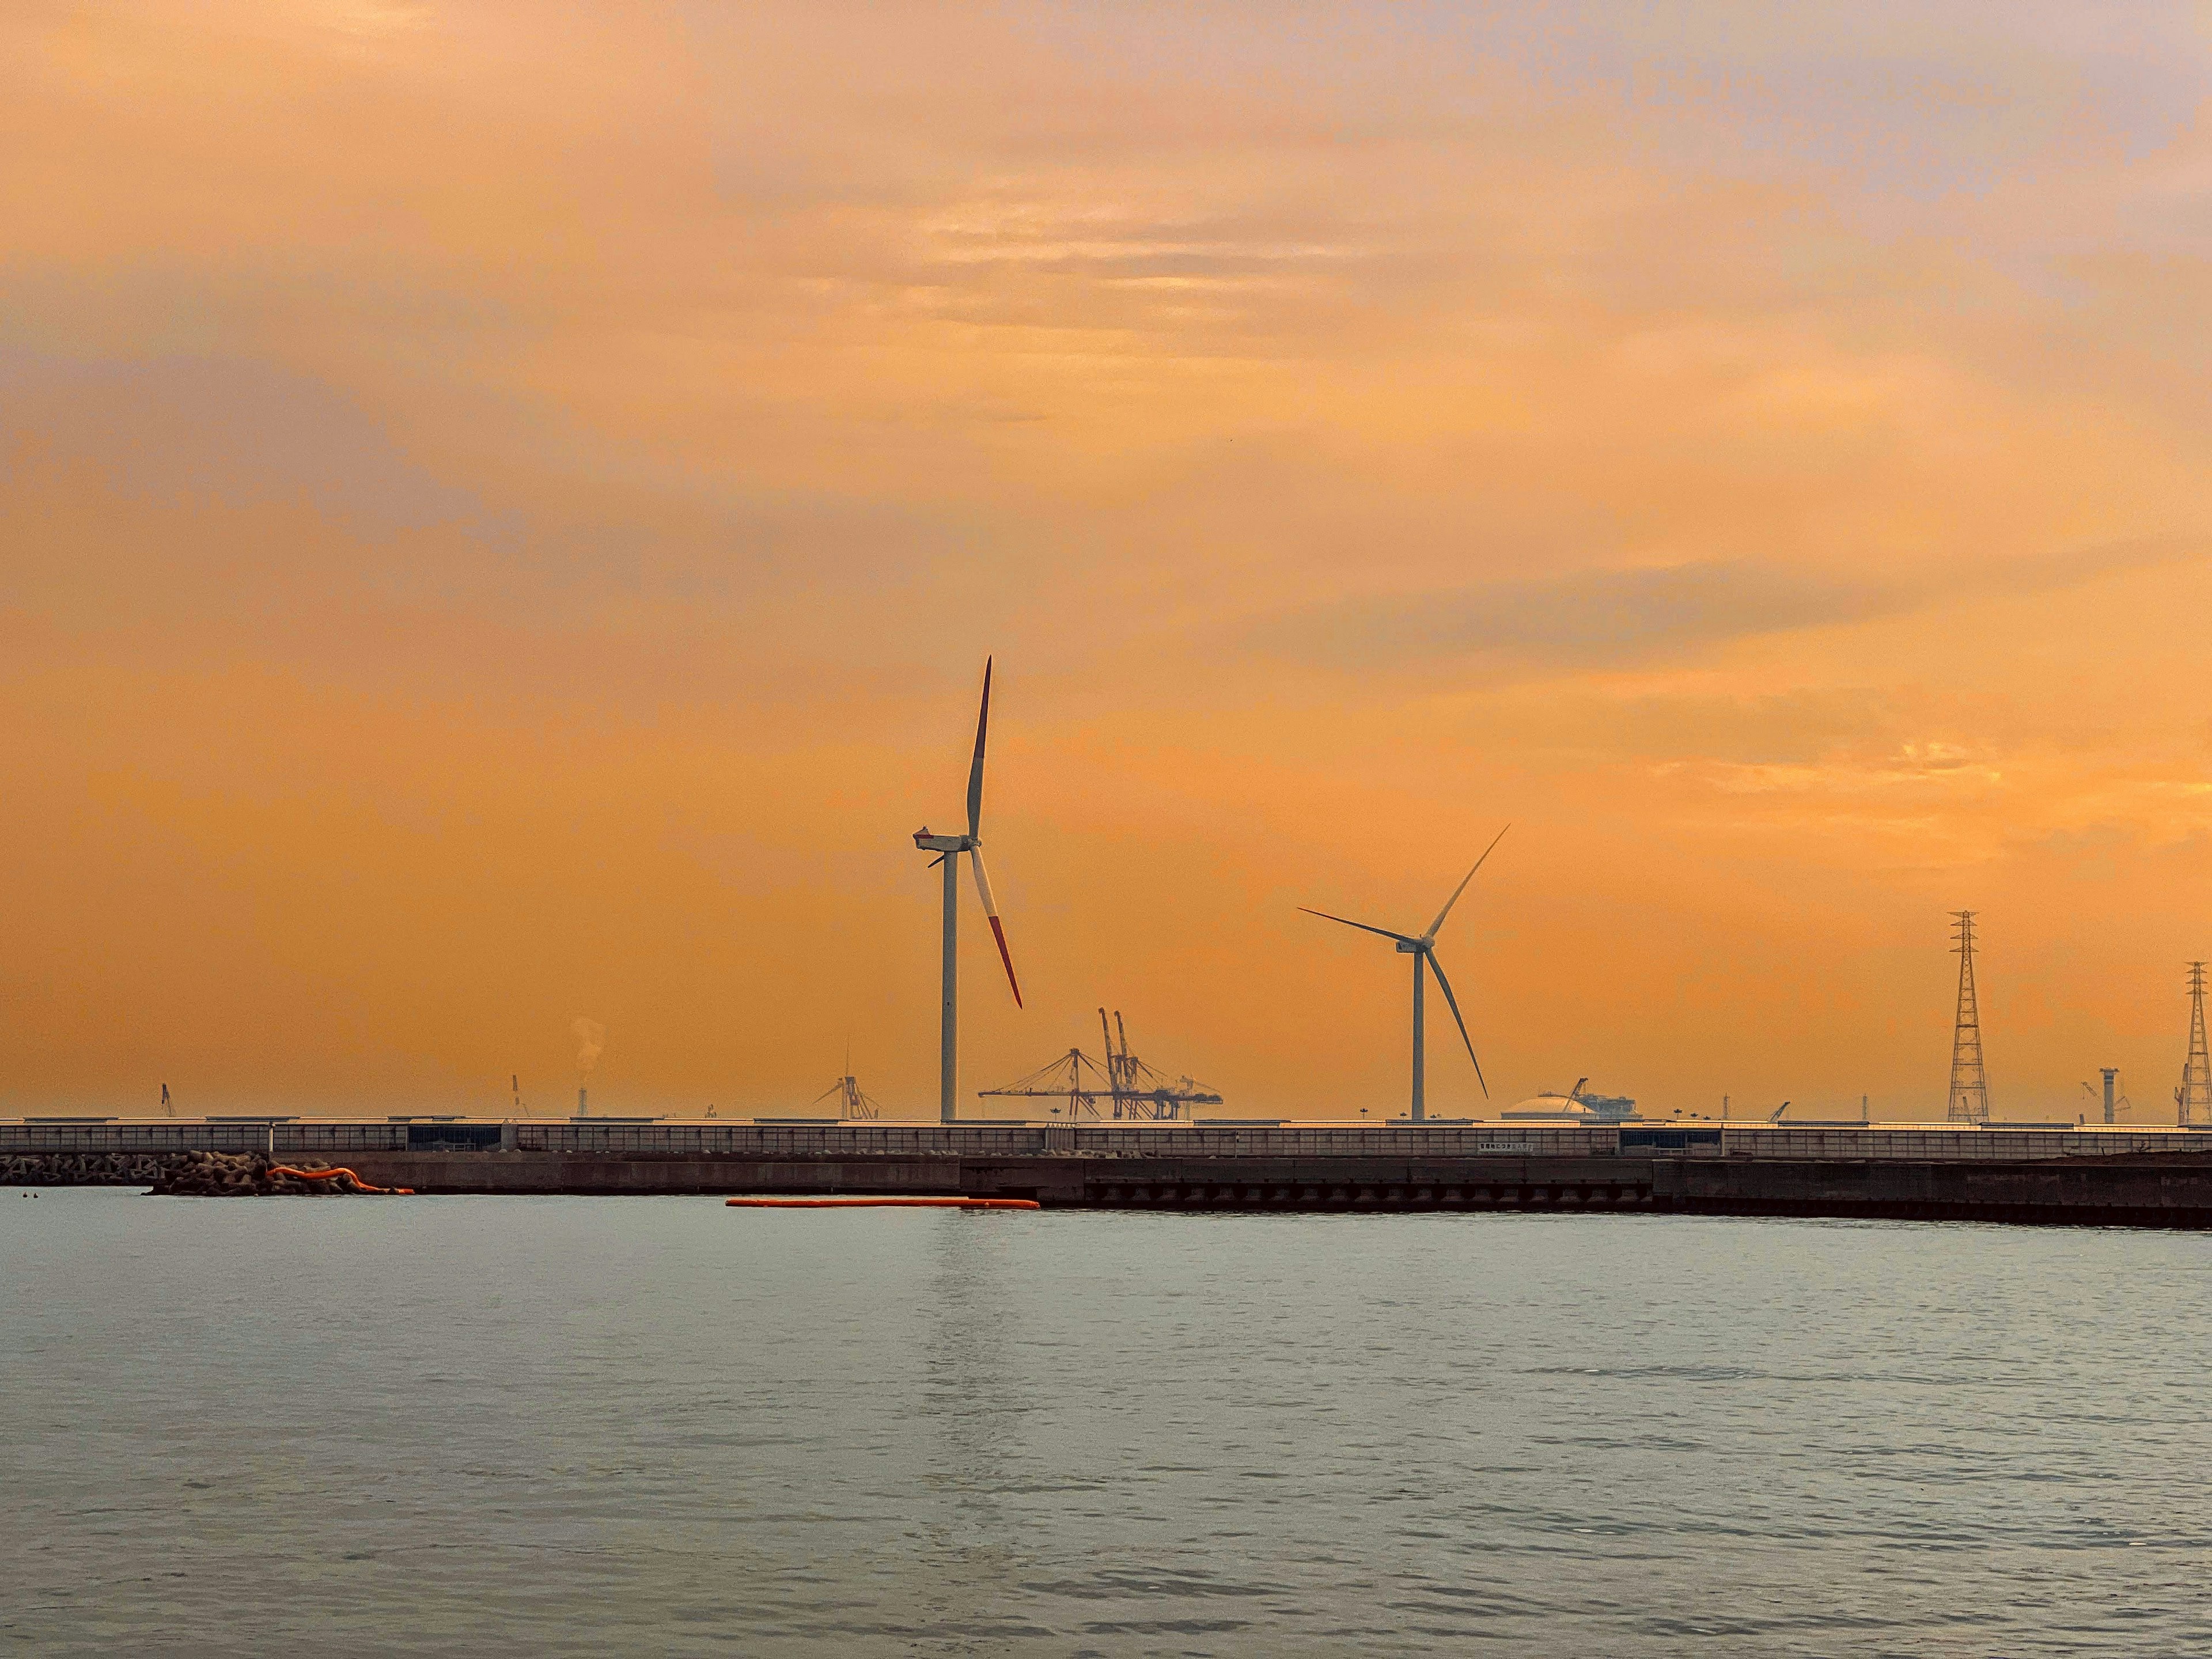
(1576, 1105)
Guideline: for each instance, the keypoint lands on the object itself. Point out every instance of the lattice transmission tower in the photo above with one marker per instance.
(1970, 1085)
(2193, 1096)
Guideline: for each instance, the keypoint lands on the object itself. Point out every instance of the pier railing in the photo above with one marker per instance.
(192, 1135)
(879, 1139)
(667, 1139)
(1942, 1143)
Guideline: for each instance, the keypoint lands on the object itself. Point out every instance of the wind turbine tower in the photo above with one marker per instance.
(1970, 1085)
(1423, 950)
(949, 850)
(2193, 1096)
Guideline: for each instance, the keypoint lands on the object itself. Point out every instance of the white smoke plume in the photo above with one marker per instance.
(591, 1043)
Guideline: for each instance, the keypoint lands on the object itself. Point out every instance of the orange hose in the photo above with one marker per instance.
(327, 1174)
(882, 1203)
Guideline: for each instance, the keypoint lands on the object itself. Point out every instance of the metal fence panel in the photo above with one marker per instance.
(1939, 1144)
(332, 1138)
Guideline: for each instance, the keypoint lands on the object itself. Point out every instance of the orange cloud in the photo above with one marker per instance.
(502, 514)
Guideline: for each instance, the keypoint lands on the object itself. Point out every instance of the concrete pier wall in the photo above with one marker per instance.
(2167, 1190)
(2132, 1177)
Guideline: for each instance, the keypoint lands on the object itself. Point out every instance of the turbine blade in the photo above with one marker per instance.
(975, 771)
(982, 882)
(991, 914)
(1005, 956)
(1444, 985)
(1362, 926)
(1436, 926)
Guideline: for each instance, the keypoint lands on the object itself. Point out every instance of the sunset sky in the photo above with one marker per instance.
(503, 509)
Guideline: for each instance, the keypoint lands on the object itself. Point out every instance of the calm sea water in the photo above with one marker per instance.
(582, 1427)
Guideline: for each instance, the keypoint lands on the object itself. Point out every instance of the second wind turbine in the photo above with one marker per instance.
(1423, 950)
(948, 849)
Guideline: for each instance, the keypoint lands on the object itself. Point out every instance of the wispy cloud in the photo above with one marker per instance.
(1637, 616)
(1589, 615)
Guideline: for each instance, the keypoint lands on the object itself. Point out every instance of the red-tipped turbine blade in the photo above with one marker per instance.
(991, 912)
(1005, 956)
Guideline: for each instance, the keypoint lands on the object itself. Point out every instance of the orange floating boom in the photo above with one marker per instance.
(332, 1175)
(883, 1203)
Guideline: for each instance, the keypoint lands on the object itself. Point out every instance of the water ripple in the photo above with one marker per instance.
(574, 1426)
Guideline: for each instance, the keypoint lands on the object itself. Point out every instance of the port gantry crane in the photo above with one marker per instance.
(852, 1102)
(1132, 1090)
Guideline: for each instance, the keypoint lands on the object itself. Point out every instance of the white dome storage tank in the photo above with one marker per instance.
(1575, 1105)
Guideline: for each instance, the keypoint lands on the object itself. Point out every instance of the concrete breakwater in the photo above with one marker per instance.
(2149, 1189)
(2144, 1177)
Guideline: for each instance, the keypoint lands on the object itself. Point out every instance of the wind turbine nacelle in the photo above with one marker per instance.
(1410, 947)
(929, 843)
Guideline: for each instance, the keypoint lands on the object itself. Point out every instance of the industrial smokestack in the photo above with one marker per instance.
(2111, 1071)
(591, 1043)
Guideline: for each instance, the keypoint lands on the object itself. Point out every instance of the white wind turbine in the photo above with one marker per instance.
(948, 849)
(1423, 950)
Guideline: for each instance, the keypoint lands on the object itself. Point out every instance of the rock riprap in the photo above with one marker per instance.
(255, 1174)
(186, 1174)
(82, 1168)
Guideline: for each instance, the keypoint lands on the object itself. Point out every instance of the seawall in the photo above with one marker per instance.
(2164, 1190)
(2101, 1177)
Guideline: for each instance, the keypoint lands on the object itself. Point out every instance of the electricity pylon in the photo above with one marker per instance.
(1970, 1085)
(2193, 1096)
